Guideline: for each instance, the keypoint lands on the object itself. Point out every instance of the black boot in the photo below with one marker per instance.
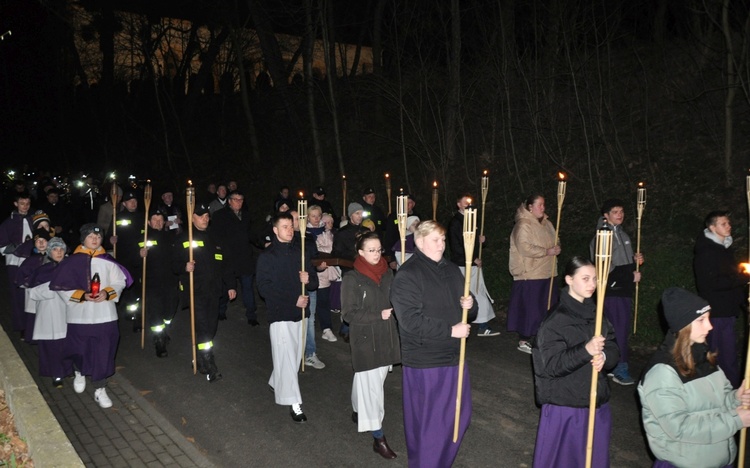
(203, 362)
(160, 344)
(213, 370)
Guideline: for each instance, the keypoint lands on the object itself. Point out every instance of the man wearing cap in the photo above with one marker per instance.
(373, 212)
(13, 232)
(279, 277)
(172, 213)
(458, 257)
(231, 229)
(161, 280)
(319, 194)
(90, 283)
(130, 227)
(618, 300)
(212, 278)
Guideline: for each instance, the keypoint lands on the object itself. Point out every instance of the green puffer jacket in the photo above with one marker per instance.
(690, 424)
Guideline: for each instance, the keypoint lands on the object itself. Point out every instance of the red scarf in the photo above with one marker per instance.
(374, 272)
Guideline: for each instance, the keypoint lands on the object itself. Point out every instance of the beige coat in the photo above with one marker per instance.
(529, 242)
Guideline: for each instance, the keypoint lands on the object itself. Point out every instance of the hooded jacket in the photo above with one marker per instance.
(716, 277)
(529, 242)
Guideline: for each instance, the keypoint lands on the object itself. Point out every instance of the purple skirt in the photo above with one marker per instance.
(562, 433)
(92, 348)
(52, 362)
(429, 397)
(17, 301)
(666, 464)
(619, 311)
(528, 305)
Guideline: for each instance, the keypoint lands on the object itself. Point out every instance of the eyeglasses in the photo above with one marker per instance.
(372, 251)
(237, 199)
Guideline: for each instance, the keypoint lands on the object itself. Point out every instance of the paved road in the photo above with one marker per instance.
(165, 416)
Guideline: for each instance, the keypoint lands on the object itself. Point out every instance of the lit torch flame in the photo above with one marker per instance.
(745, 267)
(434, 184)
(561, 175)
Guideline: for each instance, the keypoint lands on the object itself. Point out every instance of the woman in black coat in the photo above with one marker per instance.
(374, 342)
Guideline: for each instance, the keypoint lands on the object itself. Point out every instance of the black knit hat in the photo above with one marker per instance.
(681, 307)
(41, 233)
(89, 228)
(201, 209)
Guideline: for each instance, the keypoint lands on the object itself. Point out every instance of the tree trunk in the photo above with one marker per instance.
(307, 59)
(731, 93)
(245, 97)
(330, 72)
(454, 74)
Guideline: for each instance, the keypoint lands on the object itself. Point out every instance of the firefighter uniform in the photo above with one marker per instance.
(211, 279)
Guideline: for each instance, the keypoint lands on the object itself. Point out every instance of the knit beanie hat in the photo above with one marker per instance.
(89, 228)
(353, 208)
(681, 307)
(411, 220)
(38, 217)
(41, 233)
(611, 203)
(56, 243)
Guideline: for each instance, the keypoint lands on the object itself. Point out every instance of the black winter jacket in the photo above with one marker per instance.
(717, 277)
(277, 277)
(426, 299)
(562, 366)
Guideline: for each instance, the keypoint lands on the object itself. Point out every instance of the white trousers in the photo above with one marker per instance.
(285, 351)
(368, 398)
(484, 301)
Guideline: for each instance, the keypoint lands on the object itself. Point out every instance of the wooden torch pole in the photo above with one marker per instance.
(146, 206)
(640, 205)
(388, 191)
(743, 431)
(603, 260)
(401, 216)
(113, 198)
(343, 193)
(434, 200)
(470, 232)
(302, 213)
(485, 189)
(561, 187)
(190, 203)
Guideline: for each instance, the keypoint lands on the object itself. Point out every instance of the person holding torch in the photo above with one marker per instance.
(720, 282)
(564, 352)
(427, 298)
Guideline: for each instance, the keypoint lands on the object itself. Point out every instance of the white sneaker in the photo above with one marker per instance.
(101, 397)
(314, 362)
(79, 382)
(329, 336)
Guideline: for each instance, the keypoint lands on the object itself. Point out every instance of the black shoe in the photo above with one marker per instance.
(213, 370)
(295, 411)
(345, 336)
(355, 417)
(214, 376)
(253, 322)
(57, 382)
(380, 446)
(160, 344)
(222, 316)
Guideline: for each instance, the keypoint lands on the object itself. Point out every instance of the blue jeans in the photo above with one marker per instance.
(310, 340)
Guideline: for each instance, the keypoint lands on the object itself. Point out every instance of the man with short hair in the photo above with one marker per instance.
(279, 275)
(231, 229)
(618, 299)
(319, 194)
(720, 283)
(14, 231)
(130, 224)
(61, 219)
(221, 199)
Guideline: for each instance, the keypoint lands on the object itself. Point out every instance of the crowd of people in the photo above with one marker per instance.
(76, 269)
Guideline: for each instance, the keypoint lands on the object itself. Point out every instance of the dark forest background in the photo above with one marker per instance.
(610, 93)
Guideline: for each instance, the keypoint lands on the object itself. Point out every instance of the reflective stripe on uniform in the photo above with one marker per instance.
(218, 257)
(158, 328)
(124, 222)
(148, 244)
(186, 244)
(206, 346)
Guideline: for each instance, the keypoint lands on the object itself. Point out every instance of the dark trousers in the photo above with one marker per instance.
(723, 340)
(323, 308)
